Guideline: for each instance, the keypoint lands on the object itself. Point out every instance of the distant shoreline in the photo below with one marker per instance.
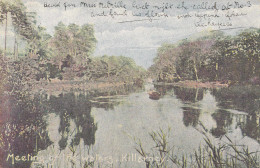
(68, 85)
(73, 85)
(194, 84)
(56, 85)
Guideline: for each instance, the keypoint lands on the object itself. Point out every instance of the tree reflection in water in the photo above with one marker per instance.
(24, 128)
(190, 96)
(190, 116)
(223, 119)
(77, 108)
(24, 131)
(241, 98)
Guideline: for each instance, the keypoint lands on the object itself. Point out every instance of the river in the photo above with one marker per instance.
(104, 129)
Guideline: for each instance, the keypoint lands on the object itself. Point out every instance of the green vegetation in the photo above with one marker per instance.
(120, 68)
(67, 55)
(72, 43)
(209, 155)
(210, 58)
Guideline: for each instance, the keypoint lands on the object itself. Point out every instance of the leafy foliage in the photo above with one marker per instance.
(67, 55)
(77, 42)
(120, 67)
(221, 58)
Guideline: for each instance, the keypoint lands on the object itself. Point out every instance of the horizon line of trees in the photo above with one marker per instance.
(214, 57)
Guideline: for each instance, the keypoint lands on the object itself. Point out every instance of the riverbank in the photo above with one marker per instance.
(56, 85)
(194, 84)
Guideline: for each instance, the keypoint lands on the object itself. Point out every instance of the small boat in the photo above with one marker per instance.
(154, 95)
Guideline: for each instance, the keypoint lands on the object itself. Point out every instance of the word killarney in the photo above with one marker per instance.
(129, 157)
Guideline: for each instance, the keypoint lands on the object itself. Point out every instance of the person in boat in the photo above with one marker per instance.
(154, 95)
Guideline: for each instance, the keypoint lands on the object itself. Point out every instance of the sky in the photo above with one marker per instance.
(140, 36)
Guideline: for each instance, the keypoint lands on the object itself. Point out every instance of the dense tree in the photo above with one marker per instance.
(76, 41)
(214, 57)
(164, 68)
(38, 46)
(23, 22)
(192, 58)
(115, 68)
(182, 61)
(4, 17)
(236, 58)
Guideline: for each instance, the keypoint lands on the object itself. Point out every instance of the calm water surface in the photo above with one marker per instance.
(64, 130)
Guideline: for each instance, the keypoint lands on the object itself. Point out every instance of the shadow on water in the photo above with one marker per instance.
(243, 99)
(241, 103)
(189, 95)
(25, 128)
(190, 116)
(189, 98)
(70, 107)
(251, 127)
(223, 119)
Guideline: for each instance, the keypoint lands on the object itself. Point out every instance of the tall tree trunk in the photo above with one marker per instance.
(14, 47)
(17, 50)
(216, 71)
(108, 71)
(60, 65)
(5, 34)
(195, 70)
(196, 95)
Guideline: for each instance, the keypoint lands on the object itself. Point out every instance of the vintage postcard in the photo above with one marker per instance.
(129, 84)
